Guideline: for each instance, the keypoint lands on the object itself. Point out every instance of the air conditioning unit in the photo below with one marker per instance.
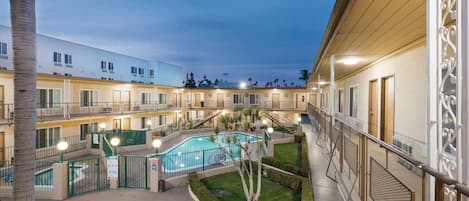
(107, 109)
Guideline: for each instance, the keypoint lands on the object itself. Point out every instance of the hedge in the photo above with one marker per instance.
(304, 156)
(287, 167)
(306, 190)
(291, 181)
(199, 189)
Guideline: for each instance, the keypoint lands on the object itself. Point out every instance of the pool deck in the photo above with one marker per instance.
(174, 194)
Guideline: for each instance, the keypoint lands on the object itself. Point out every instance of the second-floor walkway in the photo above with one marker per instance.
(324, 188)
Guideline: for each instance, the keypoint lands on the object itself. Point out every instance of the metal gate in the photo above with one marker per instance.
(133, 172)
(87, 175)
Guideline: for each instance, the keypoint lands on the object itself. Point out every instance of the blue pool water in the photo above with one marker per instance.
(44, 178)
(200, 151)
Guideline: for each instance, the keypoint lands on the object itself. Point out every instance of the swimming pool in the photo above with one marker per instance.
(200, 151)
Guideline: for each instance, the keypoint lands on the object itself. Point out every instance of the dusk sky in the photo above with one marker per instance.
(262, 39)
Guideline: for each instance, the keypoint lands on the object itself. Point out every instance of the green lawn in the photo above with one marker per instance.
(228, 187)
(288, 153)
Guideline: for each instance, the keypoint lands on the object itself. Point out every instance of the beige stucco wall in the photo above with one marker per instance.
(408, 69)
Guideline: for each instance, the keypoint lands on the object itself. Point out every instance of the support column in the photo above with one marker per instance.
(332, 89)
(463, 40)
(318, 96)
(66, 99)
(156, 174)
(60, 179)
(432, 93)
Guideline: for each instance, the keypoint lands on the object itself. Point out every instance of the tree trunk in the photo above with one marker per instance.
(23, 22)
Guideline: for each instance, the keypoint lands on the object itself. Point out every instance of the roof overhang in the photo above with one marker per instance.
(362, 32)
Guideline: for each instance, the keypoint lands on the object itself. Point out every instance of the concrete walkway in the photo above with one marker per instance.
(174, 194)
(324, 188)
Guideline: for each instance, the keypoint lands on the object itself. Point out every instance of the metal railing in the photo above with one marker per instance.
(43, 174)
(59, 111)
(265, 105)
(370, 169)
(182, 163)
(74, 144)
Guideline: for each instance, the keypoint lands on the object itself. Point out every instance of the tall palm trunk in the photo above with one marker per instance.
(23, 22)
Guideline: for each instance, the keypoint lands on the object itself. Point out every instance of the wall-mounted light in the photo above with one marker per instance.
(350, 61)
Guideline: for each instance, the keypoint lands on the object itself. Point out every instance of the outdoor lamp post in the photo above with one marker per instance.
(156, 144)
(62, 146)
(270, 130)
(149, 124)
(115, 141)
(264, 122)
(298, 119)
(102, 126)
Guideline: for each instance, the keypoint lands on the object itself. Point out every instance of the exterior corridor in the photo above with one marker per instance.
(324, 188)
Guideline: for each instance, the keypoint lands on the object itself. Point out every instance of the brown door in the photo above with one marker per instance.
(116, 101)
(275, 101)
(175, 100)
(387, 109)
(116, 124)
(2, 103)
(126, 124)
(373, 108)
(126, 100)
(220, 102)
(196, 100)
(2, 147)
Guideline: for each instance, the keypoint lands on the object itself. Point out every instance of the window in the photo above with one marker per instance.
(162, 120)
(152, 73)
(144, 121)
(68, 59)
(47, 137)
(3, 49)
(353, 101)
(237, 99)
(111, 67)
(162, 98)
(57, 58)
(141, 71)
(88, 98)
(146, 98)
(103, 66)
(133, 70)
(88, 129)
(48, 98)
(341, 101)
(254, 99)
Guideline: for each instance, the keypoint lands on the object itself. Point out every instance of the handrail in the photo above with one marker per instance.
(421, 165)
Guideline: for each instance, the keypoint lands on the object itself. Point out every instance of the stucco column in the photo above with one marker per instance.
(156, 173)
(332, 88)
(60, 179)
(318, 96)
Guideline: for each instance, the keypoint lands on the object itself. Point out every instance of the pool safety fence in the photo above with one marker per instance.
(42, 174)
(182, 163)
(87, 175)
(134, 172)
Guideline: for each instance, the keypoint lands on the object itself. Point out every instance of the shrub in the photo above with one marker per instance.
(304, 157)
(291, 181)
(271, 161)
(199, 189)
(306, 190)
(298, 138)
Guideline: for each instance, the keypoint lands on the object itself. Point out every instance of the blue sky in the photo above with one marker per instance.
(262, 39)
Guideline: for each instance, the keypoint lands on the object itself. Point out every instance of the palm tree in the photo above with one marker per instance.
(23, 22)
(304, 75)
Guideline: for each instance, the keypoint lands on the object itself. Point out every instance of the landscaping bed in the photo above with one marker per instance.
(228, 187)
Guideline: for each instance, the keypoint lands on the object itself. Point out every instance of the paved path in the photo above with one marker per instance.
(324, 188)
(174, 194)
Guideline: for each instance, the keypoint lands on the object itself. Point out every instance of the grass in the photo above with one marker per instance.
(228, 187)
(288, 153)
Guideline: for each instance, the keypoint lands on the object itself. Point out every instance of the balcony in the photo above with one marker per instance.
(264, 105)
(65, 111)
(366, 168)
